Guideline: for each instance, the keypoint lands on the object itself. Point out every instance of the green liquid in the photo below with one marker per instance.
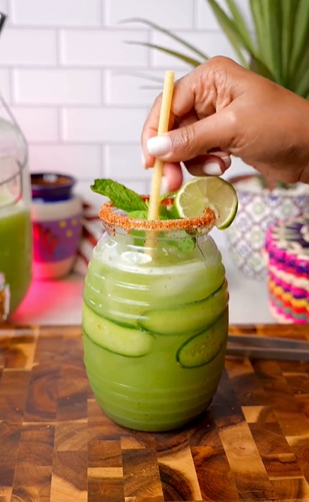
(16, 254)
(155, 337)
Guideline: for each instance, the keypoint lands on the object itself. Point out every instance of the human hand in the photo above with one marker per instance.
(221, 109)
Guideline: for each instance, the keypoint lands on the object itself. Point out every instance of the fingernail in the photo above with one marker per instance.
(223, 156)
(159, 145)
(164, 185)
(212, 168)
(227, 161)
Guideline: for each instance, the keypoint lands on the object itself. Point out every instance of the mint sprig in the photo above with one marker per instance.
(138, 215)
(133, 204)
(122, 197)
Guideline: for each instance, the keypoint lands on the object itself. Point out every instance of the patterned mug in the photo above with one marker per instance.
(257, 210)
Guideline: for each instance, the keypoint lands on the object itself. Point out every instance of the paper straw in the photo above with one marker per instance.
(154, 201)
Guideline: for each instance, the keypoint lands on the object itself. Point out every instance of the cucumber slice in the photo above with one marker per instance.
(124, 341)
(203, 348)
(188, 318)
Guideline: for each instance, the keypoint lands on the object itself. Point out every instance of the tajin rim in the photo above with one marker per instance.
(113, 219)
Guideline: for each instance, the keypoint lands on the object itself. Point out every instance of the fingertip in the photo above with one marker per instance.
(150, 161)
(173, 176)
(212, 169)
(147, 160)
(225, 157)
(211, 165)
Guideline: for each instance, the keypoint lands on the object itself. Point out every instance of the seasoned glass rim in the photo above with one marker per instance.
(112, 219)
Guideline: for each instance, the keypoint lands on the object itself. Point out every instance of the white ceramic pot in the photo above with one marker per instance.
(257, 209)
(57, 230)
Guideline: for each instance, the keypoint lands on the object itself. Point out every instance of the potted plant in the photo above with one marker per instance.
(278, 49)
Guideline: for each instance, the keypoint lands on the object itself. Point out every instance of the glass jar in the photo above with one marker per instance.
(155, 320)
(15, 220)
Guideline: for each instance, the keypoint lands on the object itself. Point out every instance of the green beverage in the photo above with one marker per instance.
(15, 221)
(155, 312)
(154, 330)
(16, 251)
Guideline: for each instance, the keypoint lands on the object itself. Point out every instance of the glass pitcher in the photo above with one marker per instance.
(15, 220)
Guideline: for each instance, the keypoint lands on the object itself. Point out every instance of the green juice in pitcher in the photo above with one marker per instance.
(15, 221)
(16, 252)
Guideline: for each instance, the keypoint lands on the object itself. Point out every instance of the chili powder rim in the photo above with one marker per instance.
(113, 219)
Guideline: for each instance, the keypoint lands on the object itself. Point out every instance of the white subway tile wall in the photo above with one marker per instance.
(74, 80)
(22, 47)
(56, 13)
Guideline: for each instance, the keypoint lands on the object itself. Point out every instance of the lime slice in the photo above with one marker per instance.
(210, 192)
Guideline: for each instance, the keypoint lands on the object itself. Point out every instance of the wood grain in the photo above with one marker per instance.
(56, 445)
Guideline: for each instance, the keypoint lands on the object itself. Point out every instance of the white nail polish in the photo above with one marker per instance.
(212, 169)
(164, 186)
(159, 145)
(223, 156)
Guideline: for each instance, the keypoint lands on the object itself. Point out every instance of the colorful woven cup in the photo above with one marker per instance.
(287, 252)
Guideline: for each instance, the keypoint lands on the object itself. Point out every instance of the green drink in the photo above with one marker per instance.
(155, 313)
(155, 323)
(16, 251)
(15, 220)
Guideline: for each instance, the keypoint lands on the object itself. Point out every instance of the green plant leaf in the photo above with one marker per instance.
(241, 25)
(296, 80)
(168, 33)
(279, 49)
(258, 20)
(230, 29)
(259, 67)
(301, 35)
(272, 33)
(176, 54)
(303, 84)
(267, 24)
(289, 10)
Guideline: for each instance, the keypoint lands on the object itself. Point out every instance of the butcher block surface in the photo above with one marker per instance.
(56, 445)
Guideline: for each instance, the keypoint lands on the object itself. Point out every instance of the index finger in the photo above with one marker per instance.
(182, 103)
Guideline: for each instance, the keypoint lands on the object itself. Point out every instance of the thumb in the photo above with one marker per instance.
(190, 141)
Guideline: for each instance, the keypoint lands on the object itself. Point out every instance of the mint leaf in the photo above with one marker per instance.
(138, 215)
(122, 197)
(184, 245)
(165, 214)
(167, 195)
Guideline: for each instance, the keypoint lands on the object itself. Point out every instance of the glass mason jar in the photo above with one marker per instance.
(15, 220)
(155, 320)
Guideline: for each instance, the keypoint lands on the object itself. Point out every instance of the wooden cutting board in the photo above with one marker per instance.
(56, 445)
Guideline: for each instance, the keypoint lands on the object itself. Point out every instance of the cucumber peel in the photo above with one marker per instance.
(188, 318)
(124, 341)
(203, 348)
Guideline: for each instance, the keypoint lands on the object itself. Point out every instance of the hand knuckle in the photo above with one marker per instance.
(218, 61)
(185, 140)
(232, 118)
